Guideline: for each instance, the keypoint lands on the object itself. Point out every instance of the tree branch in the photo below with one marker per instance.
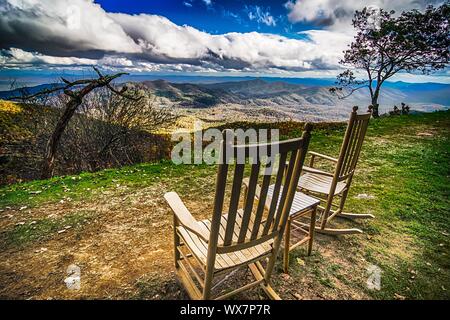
(122, 93)
(103, 80)
(352, 90)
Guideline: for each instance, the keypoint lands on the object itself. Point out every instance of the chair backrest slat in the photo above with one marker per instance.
(249, 200)
(299, 155)
(364, 127)
(351, 146)
(287, 180)
(262, 201)
(234, 203)
(218, 202)
(276, 193)
(248, 227)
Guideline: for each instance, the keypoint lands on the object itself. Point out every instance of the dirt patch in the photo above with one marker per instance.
(130, 236)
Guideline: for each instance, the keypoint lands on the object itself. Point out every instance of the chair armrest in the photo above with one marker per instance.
(316, 171)
(184, 216)
(322, 156)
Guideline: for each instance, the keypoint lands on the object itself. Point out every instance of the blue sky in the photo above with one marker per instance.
(288, 38)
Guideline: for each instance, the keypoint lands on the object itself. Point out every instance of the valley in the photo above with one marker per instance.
(263, 100)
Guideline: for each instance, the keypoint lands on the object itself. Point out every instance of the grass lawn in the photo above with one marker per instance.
(116, 226)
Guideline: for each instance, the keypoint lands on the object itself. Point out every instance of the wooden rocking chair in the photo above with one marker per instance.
(330, 187)
(206, 250)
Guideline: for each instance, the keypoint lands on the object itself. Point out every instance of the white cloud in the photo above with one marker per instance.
(17, 57)
(62, 26)
(337, 14)
(258, 14)
(116, 61)
(163, 41)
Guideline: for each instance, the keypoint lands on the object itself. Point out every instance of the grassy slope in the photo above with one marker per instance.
(405, 166)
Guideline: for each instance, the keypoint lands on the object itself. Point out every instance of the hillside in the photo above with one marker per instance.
(25, 129)
(116, 226)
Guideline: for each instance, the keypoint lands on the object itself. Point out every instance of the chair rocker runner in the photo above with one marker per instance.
(245, 235)
(332, 188)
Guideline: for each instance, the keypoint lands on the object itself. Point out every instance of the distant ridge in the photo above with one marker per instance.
(291, 96)
(26, 91)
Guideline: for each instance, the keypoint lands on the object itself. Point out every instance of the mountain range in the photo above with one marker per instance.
(276, 99)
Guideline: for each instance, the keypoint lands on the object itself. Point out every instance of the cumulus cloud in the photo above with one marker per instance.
(18, 57)
(163, 41)
(61, 28)
(67, 32)
(337, 14)
(15, 58)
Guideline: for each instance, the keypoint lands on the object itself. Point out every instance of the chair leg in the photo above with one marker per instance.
(259, 274)
(271, 262)
(258, 270)
(208, 285)
(176, 241)
(287, 244)
(311, 230)
(326, 212)
(270, 292)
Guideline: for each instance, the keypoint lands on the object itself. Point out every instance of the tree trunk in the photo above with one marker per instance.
(76, 98)
(48, 164)
(375, 105)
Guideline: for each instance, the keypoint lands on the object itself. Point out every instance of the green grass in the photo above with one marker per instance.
(41, 229)
(408, 174)
(87, 185)
(412, 186)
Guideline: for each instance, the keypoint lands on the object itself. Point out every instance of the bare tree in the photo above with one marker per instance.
(76, 91)
(123, 116)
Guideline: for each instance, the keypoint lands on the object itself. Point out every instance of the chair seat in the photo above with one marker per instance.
(224, 260)
(319, 183)
(301, 202)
